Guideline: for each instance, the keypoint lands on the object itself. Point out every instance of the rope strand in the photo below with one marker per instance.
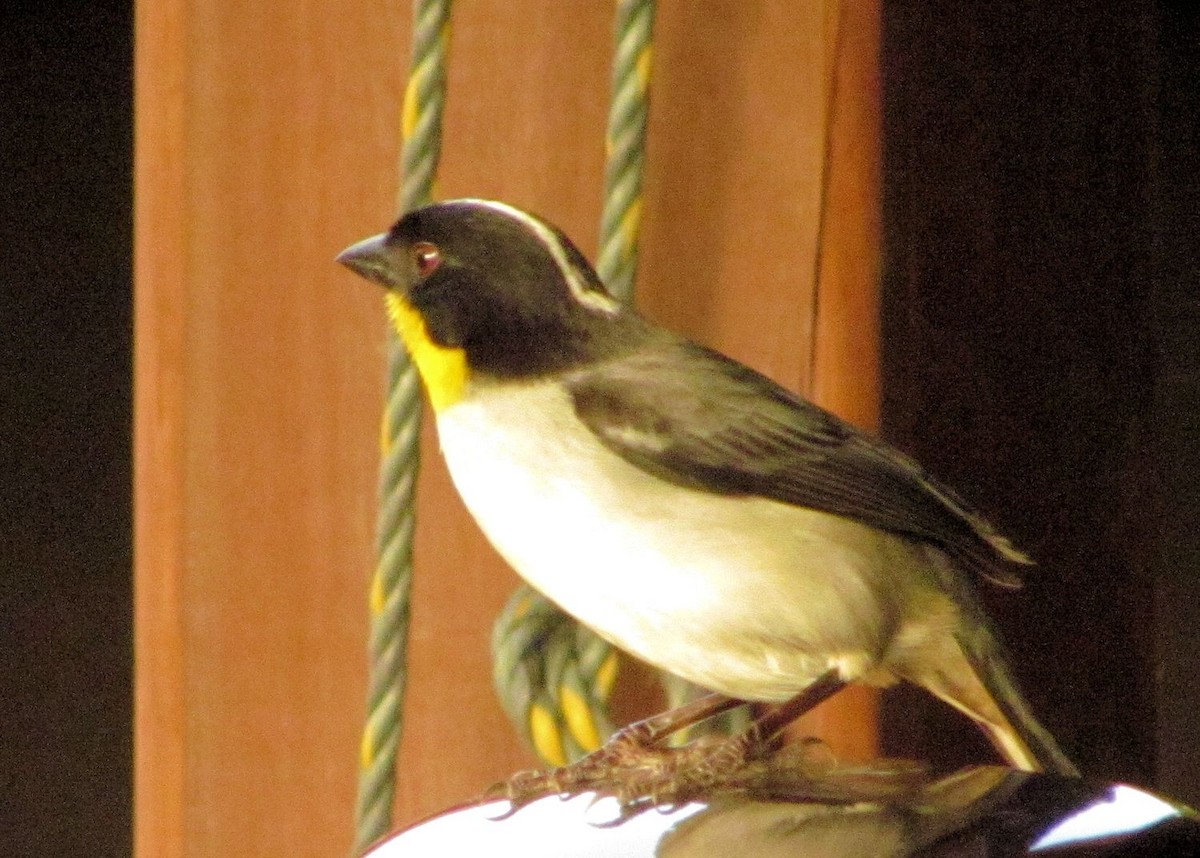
(621, 221)
(400, 432)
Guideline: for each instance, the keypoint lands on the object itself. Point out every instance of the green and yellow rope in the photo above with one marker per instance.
(625, 145)
(553, 677)
(400, 431)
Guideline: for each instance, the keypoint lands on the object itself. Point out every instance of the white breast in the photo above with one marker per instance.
(741, 595)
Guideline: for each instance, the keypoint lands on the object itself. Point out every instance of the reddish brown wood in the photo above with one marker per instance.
(160, 736)
(845, 363)
(266, 142)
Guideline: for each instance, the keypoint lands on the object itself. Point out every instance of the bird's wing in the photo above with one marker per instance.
(694, 417)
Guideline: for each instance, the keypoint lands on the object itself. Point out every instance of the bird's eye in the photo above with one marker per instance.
(426, 257)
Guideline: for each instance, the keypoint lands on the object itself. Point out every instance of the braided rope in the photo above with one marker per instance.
(625, 144)
(553, 676)
(400, 428)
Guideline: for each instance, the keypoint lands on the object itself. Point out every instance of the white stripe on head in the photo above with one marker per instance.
(585, 295)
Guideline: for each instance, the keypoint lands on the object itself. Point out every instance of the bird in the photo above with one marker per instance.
(683, 506)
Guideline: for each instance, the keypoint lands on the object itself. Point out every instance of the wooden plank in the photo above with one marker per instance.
(846, 358)
(266, 142)
(160, 707)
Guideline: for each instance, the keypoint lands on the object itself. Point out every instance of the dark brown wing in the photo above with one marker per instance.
(693, 416)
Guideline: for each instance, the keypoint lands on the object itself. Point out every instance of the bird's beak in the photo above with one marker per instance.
(373, 259)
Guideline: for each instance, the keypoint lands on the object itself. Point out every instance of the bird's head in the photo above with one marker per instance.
(504, 291)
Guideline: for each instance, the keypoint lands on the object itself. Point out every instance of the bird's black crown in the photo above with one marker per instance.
(509, 289)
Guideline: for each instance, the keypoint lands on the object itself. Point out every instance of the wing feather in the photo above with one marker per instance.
(693, 416)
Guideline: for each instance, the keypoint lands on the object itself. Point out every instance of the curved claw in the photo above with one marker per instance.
(512, 808)
(522, 789)
(627, 811)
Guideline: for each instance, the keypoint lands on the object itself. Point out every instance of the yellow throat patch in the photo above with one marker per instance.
(443, 370)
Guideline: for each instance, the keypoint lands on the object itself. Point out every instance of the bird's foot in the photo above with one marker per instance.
(641, 777)
(638, 770)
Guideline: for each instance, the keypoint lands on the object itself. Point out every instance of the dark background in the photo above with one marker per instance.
(1041, 340)
(65, 591)
(1040, 343)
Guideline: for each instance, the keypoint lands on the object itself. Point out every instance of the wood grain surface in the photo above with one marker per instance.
(267, 141)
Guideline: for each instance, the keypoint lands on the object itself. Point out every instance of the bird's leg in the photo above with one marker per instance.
(645, 734)
(772, 722)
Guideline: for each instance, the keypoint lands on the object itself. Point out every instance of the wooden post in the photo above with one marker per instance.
(266, 141)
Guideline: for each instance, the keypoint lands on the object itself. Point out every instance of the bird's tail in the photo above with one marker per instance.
(973, 676)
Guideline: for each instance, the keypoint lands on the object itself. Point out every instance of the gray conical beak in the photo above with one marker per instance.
(372, 258)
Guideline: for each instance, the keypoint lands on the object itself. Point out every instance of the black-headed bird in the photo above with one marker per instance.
(683, 506)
